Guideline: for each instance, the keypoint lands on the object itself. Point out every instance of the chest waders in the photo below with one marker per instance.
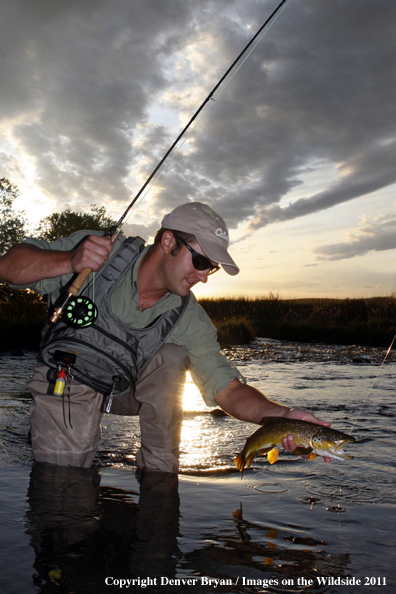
(109, 355)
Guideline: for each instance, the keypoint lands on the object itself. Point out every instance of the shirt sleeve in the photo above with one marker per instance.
(210, 370)
(54, 286)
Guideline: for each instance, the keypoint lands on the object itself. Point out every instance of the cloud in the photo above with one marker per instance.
(94, 93)
(375, 234)
(364, 173)
(79, 81)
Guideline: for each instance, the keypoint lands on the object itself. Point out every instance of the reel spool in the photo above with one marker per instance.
(80, 312)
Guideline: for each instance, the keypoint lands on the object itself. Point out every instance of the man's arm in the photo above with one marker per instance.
(25, 264)
(248, 404)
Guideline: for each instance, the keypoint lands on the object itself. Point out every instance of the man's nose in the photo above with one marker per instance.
(203, 275)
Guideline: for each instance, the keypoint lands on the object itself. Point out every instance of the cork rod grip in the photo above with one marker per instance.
(79, 281)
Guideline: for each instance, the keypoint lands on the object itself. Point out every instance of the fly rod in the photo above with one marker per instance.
(75, 287)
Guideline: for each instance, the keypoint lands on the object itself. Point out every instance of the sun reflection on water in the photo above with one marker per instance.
(192, 399)
(199, 435)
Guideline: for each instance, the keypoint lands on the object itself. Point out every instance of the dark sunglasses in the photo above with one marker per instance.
(199, 261)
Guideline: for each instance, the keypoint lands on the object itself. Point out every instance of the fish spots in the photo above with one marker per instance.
(312, 439)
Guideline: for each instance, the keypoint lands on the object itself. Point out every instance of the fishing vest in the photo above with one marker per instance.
(110, 349)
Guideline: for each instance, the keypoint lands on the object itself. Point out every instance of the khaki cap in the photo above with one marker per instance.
(209, 229)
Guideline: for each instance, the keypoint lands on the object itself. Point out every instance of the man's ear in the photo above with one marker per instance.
(168, 242)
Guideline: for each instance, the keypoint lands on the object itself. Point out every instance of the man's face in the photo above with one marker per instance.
(180, 272)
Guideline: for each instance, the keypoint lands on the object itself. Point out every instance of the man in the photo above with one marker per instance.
(134, 357)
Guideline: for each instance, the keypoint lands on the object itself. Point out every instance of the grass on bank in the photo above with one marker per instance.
(367, 322)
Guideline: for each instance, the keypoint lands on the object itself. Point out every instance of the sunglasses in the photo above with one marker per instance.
(199, 261)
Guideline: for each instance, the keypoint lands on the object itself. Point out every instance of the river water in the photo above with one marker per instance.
(295, 526)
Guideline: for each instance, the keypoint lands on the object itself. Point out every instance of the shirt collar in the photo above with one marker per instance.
(175, 299)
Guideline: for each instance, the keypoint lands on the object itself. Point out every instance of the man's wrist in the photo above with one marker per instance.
(281, 412)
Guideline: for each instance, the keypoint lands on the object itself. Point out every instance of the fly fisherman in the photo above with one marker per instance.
(148, 332)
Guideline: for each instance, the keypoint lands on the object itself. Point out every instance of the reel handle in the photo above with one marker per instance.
(75, 287)
(72, 292)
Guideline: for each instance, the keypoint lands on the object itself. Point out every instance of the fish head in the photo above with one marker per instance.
(329, 444)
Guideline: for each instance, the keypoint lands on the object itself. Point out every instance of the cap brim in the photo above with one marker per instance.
(219, 254)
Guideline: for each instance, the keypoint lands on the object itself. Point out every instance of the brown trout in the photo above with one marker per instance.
(311, 439)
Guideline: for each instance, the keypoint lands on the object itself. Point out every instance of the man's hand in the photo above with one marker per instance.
(248, 404)
(288, 442)
(25, 264)
(92, 253)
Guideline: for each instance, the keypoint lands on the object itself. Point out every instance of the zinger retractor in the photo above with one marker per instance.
(80, 312)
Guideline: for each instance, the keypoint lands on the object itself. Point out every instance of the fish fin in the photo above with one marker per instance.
(238, 513)
(250, 458)
(273, 455)
(267, 421)
(312, 456)
(239, 462)
(302, 451)
(55, 575)
(265, 450)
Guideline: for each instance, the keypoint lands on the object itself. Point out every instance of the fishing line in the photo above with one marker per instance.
(259, 37)
(75, 287)
(260, 33)
(375, 379)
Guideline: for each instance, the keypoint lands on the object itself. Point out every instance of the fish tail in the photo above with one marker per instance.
(239, 462)
(250, 458)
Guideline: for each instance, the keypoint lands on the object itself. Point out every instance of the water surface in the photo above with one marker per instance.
(295, 526)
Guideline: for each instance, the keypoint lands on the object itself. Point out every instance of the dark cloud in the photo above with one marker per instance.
(79, 81)
(365, 172)
(92, 92)
(323, 92)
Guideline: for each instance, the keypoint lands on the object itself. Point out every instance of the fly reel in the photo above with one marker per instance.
(80, 312)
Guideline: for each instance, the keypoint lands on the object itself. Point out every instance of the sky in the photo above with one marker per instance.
(297, 151)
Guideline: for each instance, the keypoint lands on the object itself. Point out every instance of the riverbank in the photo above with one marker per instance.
(365, 321)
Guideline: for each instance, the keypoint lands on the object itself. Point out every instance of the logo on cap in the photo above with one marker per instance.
(221, 233)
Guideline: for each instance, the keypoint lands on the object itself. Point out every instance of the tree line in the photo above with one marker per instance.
(14, 228)
(344, 321)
